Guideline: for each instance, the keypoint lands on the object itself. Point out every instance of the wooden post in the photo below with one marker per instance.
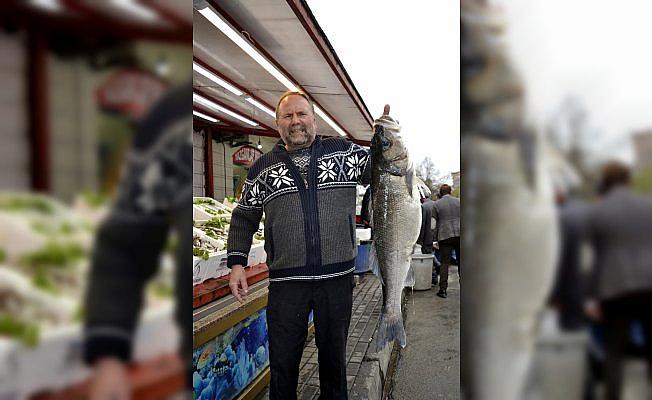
(208, 163)
(39, 118)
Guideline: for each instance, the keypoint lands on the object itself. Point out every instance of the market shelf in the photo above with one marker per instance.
(217, 288)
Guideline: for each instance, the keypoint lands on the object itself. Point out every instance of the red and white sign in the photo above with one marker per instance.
(246, 155)
(132, 92)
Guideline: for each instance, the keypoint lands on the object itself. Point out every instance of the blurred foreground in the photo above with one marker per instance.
(79, 79)
(558, 275)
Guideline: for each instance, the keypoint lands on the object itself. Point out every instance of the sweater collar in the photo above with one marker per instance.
(280, 145)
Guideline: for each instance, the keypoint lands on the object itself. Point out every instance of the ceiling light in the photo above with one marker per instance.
(241, 42)
(204, 101)
(259, 146)
(237, 38)
(204, 116)
(329, 121)
(47, 5)
(208, 74)
(261, 106)
(136, 9)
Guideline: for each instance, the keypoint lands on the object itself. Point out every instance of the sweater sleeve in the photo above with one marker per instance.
(128, 243)
(244, 222)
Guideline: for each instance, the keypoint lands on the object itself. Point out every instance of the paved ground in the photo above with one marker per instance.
(429, 366)
(367, 299)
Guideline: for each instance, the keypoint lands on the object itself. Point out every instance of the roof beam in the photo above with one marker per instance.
(271, 59)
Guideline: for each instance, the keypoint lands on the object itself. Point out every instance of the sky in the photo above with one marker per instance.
(407, 57)
(596, 51)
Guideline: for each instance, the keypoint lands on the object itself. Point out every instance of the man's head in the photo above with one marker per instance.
(614, 173)
(295, 120)
(444, 190)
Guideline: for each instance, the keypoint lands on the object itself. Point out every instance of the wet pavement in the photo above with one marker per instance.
(429, 366)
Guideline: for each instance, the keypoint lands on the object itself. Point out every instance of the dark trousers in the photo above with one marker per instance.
(618, 316)
(446, 248)
(289, 304)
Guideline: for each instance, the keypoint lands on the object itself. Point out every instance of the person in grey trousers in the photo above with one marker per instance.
(446, 211)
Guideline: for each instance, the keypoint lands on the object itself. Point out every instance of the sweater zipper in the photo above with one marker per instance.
(308, 201)
(314, 214)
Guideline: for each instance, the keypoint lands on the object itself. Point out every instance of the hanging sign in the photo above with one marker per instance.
(131, 92)
(246, 155)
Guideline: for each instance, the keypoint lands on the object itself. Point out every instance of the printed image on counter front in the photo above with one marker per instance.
(227, 364)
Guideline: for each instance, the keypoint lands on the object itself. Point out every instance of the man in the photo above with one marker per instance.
(446, 212)
(427, 234)
(307, 188)
(620, 290)
(568, 289)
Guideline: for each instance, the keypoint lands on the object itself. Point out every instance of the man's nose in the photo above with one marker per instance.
(295, 119)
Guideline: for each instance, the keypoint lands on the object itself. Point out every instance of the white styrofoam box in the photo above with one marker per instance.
(215, 266)
(57, 361)
(257, 254)
(363, 234)
(203, 236)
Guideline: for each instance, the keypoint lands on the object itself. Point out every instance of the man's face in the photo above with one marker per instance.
(296, 122)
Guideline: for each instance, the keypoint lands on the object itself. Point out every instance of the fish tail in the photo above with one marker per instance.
(390, 328)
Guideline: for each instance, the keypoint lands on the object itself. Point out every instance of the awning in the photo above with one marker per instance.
(161, 20)
(248, 52)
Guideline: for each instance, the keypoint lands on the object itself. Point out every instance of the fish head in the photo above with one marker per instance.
(387, 147)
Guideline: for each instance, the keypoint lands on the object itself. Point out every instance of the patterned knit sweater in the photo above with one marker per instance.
(309, 231)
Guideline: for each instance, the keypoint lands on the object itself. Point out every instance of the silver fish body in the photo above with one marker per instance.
(510, 248)
(396, 216)
(509, 224)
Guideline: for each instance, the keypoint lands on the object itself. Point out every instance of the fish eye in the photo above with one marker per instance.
(386, 143)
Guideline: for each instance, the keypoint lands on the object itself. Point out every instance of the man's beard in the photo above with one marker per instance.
(300, 135)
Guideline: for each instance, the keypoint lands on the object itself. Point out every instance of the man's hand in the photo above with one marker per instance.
(109, 380)
(238, 283)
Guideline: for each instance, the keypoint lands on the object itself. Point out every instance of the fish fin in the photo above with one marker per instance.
(424, 190)
(409, 279)
(373, 263)
(409, 180)
(390, 328)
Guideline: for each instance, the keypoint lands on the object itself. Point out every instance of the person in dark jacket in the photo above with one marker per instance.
(446, 212)
(569, 287)
(307, 188)
(427, 235)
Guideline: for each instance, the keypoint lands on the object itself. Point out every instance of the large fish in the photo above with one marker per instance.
(509, 225)
(396, 219)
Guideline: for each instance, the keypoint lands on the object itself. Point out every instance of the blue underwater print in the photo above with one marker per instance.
(224, 366)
